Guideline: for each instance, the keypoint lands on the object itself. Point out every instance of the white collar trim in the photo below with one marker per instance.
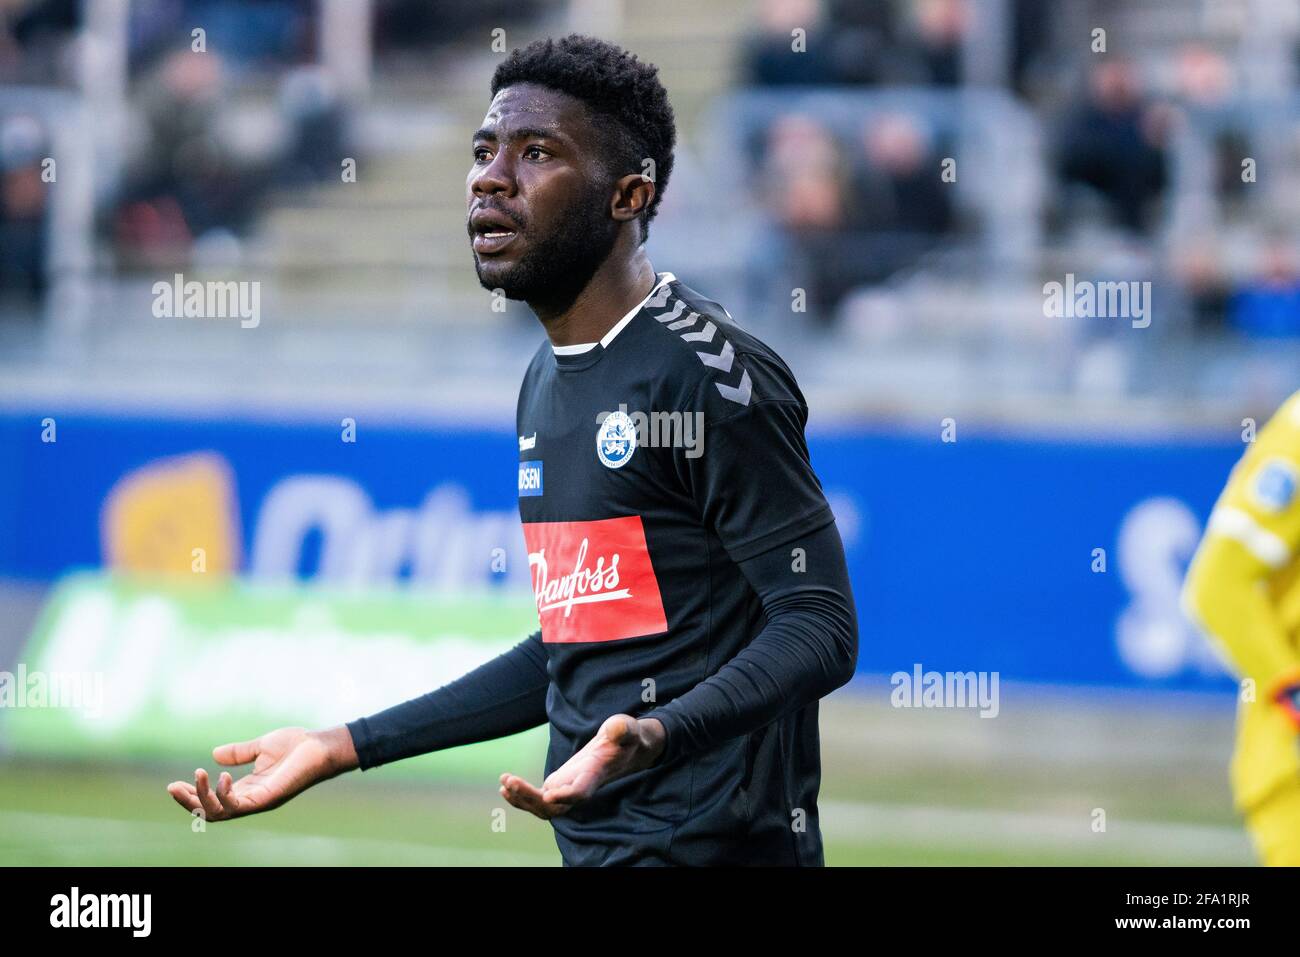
(574, 350)
(608, 337)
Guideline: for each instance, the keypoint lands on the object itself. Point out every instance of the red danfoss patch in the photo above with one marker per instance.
(593, 581)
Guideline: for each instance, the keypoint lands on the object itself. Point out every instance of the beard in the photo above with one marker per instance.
(556, 271)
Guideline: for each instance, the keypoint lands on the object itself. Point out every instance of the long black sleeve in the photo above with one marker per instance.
(807, 649)
(500, 697)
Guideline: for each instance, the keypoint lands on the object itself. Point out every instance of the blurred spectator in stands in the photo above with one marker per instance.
(1268, 305)
(1114, 144)
(803, 184)
(770, 57)
(941, 28)
(864, 47)
(852, 42)
(1205, 79)
(899, 189)
(24, 202)
(1229, 146)
(249, 33)
(1203, 76)
(1200, 288)
(848, 220)
(421, 24)
(926, 50)
(877, 16)
(311, 105)
(35, 36)
(899, 206)
(1033, 65)
(183, 181)
(804, 175)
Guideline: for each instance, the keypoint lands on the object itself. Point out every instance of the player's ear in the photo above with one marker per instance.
(633, 193)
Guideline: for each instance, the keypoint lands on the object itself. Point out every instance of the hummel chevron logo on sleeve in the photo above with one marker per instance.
(723, 361)
(739, 393)
(660, 298)
(704, 335)
(676, 311)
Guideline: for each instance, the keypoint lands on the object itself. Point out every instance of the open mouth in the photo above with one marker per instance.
(493, 240)
(491, 231)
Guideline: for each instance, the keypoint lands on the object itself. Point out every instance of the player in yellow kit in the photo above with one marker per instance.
(1242, 590)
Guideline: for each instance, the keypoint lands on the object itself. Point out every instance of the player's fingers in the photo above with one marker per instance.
(239, 752)
(563, 796)
(515, 799)
(522, 787)
(184, 795)
(548, 808)
(211, 806)
(510, 797)
(225, 794)
(524, 796)
(513, 782)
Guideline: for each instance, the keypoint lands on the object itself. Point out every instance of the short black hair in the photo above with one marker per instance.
(614, 84)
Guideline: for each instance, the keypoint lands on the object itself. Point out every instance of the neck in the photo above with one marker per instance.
(617, 285)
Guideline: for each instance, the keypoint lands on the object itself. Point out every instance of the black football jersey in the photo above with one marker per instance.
(651, 465)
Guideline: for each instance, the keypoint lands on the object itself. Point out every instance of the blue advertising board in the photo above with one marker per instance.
(1045, 560)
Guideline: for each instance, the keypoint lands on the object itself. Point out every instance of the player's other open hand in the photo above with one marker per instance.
(622, 746)
(285, 763)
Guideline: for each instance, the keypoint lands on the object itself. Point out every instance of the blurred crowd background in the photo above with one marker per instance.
(1155, 141)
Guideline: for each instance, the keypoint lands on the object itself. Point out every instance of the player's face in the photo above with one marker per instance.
(538, 196)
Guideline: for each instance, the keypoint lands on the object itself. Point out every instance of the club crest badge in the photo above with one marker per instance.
(616, 440)
(1274, 486)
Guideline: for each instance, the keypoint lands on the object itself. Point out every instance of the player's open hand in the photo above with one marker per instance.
(285, 763)
(622, 746)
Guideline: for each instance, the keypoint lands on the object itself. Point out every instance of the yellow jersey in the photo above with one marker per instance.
(1243, 590)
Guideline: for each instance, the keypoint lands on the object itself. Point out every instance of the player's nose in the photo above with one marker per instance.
(495, 177)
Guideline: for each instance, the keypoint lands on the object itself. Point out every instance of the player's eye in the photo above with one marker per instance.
(535, 153)
(480, 153)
